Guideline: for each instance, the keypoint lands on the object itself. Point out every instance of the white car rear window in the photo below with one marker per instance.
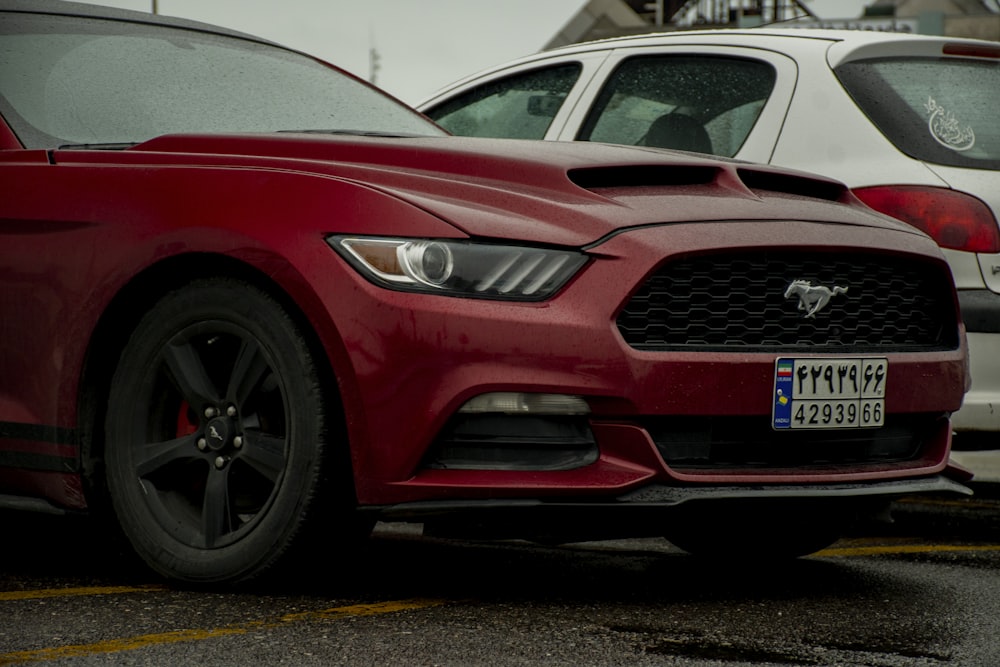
(940, 110)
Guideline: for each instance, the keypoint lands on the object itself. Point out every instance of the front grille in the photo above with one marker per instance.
(749, 443)
(721, 302)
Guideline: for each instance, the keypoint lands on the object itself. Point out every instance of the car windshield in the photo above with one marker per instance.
(942, 111)
(71, 82)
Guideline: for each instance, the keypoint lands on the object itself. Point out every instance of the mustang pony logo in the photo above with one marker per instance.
(214, 433)
(812, 299)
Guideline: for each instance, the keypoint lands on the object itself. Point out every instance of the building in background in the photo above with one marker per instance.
(956, 18)
(600, 19)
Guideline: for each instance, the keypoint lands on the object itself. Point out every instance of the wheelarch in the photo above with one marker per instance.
(120, 319)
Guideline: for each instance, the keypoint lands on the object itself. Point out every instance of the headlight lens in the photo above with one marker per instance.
(460, 268)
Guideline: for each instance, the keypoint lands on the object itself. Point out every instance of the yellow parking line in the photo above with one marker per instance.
(361, 610)
(6, 596)
(164, 638)
(116, 645)
(903, 549)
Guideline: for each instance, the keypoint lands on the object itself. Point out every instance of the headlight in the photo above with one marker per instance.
(460, 268)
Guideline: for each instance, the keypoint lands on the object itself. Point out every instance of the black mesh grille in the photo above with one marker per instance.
(738, 301)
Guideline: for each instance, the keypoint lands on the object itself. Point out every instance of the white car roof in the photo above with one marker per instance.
(837, 45)
(851, 38)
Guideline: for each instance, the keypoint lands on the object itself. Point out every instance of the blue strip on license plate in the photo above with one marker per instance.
(829, 393)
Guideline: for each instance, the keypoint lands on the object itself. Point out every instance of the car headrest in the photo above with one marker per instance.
(678, 131)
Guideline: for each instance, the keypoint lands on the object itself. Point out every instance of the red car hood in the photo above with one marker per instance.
(568, 193)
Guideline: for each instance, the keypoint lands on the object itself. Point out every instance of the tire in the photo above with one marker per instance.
(216, 434)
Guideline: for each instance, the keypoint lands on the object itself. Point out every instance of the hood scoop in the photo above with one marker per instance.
(757, 182)
(765, 181)
(601, 178)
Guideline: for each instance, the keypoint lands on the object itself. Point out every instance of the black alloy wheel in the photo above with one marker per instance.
(216, 432)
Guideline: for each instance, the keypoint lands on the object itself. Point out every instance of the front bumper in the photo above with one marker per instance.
(414, 360)
(649, 511)
(663, 496)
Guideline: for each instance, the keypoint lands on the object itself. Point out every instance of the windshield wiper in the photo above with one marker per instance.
(110, 146)
(357, 133)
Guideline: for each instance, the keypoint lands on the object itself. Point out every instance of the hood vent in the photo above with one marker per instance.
(642, 176)
(774, 181)
(759, 181)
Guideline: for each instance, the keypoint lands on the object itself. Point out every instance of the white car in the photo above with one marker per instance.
(910, 122)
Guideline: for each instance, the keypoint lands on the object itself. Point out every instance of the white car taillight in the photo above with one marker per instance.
(953, 219)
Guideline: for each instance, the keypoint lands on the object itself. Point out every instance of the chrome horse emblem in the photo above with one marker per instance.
(812, 299)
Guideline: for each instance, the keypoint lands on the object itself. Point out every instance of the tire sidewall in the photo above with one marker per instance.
(231, 304)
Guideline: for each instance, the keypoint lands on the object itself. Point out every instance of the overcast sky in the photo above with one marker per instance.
(422, 44)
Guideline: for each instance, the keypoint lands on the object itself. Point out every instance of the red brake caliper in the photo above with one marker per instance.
(185, 424)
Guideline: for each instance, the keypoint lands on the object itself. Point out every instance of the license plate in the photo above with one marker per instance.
(827, 393)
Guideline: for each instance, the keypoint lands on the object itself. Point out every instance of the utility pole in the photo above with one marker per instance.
(374, 58)
(656, 6)
(373, 66)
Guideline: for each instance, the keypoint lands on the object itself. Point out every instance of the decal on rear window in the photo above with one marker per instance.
(946, 129)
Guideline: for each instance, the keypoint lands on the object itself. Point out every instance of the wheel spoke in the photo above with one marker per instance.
(189, 375)
(152, 456)
(248, 371)
(265, 453)
(216, 517)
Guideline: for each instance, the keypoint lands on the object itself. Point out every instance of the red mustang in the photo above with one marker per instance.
(250, 302)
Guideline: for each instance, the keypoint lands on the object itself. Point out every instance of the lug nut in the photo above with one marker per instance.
(211, 412)
(231, 411)
(220, 462)
(238, 441)
(202, 444)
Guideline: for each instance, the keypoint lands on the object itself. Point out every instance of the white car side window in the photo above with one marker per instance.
(517, 107)
(730, 128)
(707, 104)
